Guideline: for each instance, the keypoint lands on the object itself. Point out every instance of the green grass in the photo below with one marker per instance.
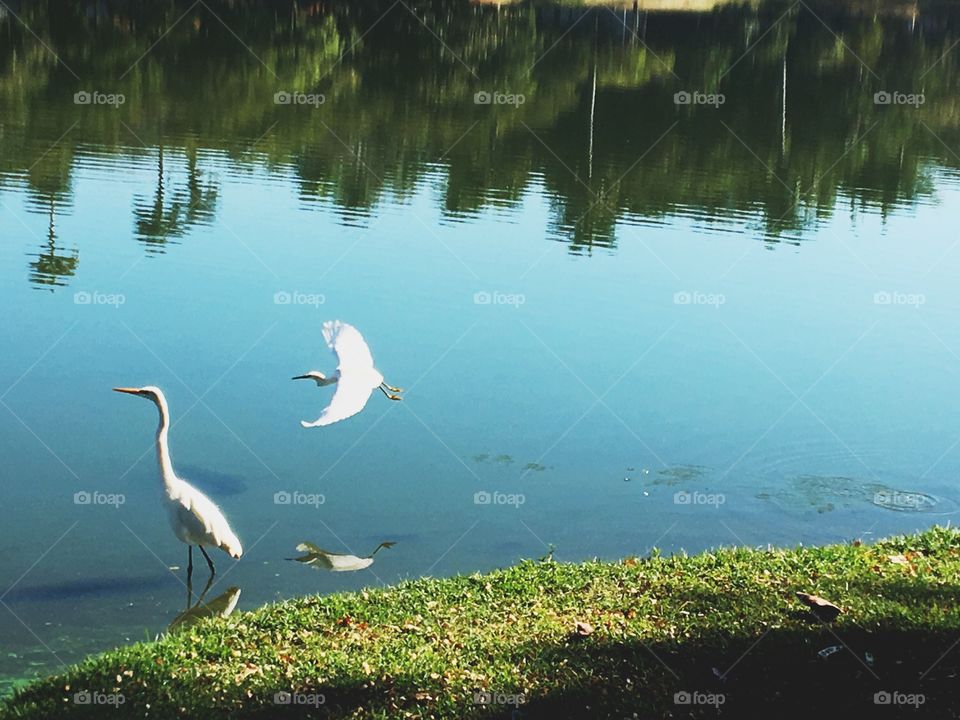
(661, 626)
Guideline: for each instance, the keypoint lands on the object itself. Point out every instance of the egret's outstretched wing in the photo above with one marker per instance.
(348, 345)
(349, 399)
(357, 377)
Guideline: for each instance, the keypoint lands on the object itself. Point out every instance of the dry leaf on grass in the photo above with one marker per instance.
(822, 608)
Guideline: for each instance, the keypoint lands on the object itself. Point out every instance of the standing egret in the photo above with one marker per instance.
(337, 562)
(195, 519)
(355, 376)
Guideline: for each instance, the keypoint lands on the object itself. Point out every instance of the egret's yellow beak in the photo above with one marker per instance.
(128, 390)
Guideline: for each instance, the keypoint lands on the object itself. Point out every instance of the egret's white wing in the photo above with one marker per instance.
(197, 520)
(348, 345)
(350, 397)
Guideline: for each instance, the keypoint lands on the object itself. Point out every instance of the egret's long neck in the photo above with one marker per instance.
(163, 449)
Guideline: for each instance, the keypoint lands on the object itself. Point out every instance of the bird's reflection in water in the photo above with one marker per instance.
(221, 606)
(321, 559)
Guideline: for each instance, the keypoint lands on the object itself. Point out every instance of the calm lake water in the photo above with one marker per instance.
(672, 279)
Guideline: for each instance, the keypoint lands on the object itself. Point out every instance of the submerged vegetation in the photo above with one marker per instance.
(654, 637)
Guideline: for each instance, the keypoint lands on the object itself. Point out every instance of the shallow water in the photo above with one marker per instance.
(621, 322)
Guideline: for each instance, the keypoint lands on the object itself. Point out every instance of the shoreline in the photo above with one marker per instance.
(679, 636)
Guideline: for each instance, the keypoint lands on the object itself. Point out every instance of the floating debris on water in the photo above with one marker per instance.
(826, 493)
(677, 475)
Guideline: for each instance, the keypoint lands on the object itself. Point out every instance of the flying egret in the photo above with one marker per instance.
(195, 519)
(355, 376)
(337, 562)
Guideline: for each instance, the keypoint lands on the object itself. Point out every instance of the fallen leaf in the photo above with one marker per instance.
(823, 609)
(583, 628)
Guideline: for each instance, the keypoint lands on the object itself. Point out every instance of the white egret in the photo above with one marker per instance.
(337, 562)
(355, 376)
(195, 519)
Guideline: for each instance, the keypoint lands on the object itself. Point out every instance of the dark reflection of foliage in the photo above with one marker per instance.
(169, 215)
(399, 107)
(49, 268)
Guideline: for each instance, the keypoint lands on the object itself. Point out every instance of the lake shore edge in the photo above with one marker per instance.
(678, 636)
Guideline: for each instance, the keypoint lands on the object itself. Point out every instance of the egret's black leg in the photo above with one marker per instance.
(189, 575)
(213, 570)
(391, 388)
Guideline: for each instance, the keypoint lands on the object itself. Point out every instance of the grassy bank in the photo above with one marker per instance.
(724, 626)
